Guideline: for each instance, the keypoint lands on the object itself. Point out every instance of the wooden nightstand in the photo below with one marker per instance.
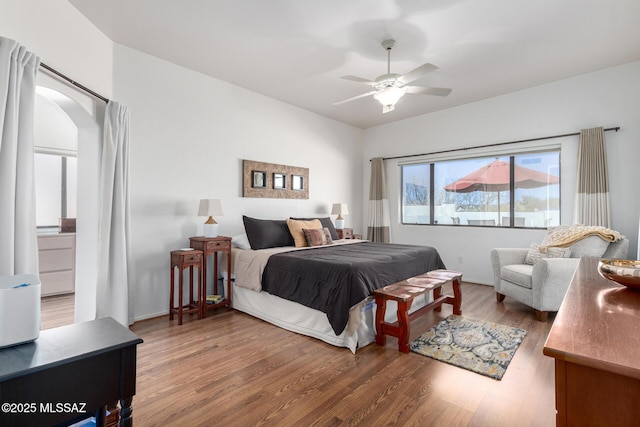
(185, 259)
(347, 233)
(213, 245)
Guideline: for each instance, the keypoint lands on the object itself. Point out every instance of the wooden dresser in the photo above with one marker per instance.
(595, 340)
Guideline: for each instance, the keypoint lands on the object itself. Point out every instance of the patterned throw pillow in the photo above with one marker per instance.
(534, 255)
(318, 236)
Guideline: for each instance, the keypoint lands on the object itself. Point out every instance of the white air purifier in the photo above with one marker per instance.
(19, 309)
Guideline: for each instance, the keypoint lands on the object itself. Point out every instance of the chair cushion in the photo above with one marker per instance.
(518, 274)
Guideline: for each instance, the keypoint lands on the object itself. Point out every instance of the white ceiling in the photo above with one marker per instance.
(297, 50)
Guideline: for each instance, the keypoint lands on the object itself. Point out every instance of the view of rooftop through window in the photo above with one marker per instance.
(477, 191)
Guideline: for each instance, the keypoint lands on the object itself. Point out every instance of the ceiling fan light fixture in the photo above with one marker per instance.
(390, 87)
(390, 95)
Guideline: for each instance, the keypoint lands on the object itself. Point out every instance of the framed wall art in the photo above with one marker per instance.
(270, 180)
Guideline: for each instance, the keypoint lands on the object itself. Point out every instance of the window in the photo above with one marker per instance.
(416, 190)
(55, 188)
(520, 190)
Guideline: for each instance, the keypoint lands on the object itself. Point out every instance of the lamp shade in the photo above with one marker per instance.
(210, 207)
(339, 209)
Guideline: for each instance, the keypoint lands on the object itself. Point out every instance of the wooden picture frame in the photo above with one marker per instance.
(277, 179)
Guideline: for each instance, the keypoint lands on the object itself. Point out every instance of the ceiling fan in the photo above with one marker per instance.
(390, 87)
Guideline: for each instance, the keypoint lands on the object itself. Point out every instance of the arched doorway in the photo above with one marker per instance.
(87, 114)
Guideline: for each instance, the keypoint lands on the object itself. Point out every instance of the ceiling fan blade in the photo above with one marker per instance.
(438, 91)
(355, 97)
(358, 79)
(417, 73)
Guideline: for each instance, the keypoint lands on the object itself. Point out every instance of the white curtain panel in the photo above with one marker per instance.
(593, 206)
(112, 295)
(18, 238)
(378, 229)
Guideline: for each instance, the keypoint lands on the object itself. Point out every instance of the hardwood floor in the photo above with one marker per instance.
(57, 311)
(233, 369)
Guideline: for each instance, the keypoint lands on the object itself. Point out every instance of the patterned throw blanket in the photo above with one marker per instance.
(562, 237)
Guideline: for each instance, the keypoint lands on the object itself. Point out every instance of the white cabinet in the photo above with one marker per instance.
(57, 255)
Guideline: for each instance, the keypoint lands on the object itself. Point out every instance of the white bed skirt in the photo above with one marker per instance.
(298, 318)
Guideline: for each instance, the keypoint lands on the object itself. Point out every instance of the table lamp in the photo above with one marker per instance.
(210, 207)
(339, 209)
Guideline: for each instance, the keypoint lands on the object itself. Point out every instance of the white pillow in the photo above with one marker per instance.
(241, 241)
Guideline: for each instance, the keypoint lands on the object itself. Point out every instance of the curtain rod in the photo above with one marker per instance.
(617, 128)
(73, 82)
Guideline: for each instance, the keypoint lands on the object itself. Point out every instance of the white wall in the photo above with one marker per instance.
(605, 98)
(63, 38)
(53, 130)
(189, 134)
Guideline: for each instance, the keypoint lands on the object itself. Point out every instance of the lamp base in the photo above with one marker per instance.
(339, 224)
(210, 230)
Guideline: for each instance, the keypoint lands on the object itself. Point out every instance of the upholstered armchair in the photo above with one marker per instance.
(542, 284)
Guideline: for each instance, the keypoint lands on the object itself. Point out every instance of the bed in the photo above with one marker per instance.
(323, 291)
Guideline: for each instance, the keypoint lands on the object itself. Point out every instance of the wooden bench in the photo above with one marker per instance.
(404, 293)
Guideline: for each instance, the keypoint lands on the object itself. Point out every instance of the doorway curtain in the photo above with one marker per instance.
(112, 294)
(379, 222)
(592, 206)
(18, 238)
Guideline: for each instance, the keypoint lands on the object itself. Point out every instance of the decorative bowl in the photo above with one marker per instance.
(622, 271)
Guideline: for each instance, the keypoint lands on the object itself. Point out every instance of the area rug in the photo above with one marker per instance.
(482, 347)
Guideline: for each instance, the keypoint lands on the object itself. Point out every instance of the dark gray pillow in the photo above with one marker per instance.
(326, 223)
(267, 233)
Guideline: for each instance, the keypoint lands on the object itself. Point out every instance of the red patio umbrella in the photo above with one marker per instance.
(496, 177)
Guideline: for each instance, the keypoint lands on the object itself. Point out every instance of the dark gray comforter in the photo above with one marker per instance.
(334, 278)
